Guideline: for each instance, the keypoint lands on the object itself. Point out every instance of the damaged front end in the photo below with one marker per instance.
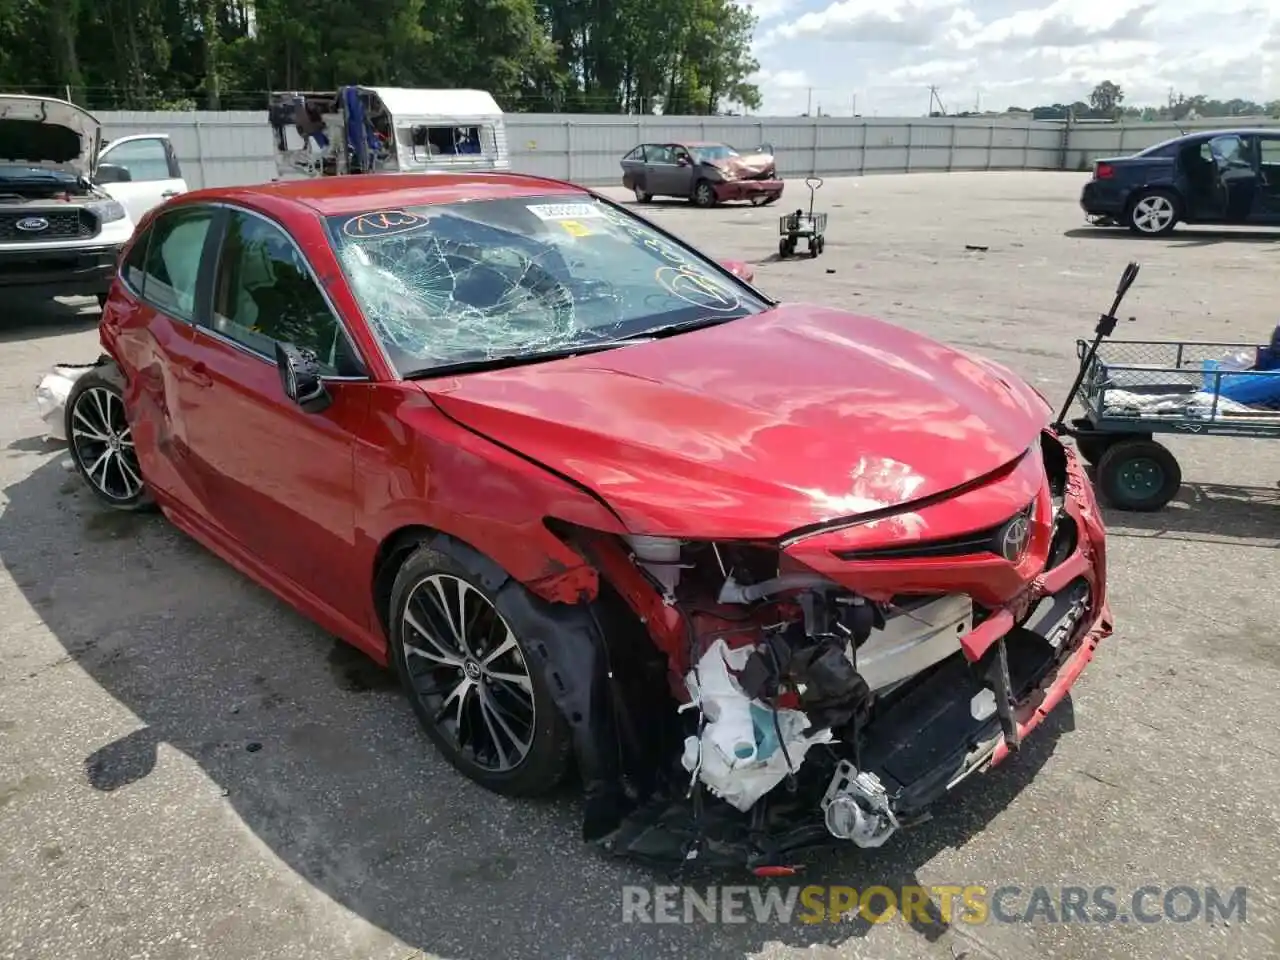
(752, 700)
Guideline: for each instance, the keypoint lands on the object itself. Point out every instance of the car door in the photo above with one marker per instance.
(151, 164)
(1268, 201)
(660, 169)
(152, 335)
(633, 172)
(283, 478)
(1237, 173)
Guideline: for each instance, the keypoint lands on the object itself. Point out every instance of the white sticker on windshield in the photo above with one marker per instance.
(565, 211)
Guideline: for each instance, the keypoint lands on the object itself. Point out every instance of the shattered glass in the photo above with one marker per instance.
(485, 279)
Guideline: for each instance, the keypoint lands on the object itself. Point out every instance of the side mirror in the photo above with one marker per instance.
(113, 173)
(739, 269)
(300, 378)
(682, 161)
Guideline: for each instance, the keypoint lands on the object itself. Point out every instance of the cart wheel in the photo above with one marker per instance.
(782, 247)
(1138, 475)
(813, 248)
(822, 244)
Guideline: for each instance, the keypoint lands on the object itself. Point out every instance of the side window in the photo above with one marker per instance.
(135, 264)
(144, 159)
(679, 152)
(173, 260)
(1230, 151)
(264, 294)
(637, 153)
(659, 154)
(1269, 148)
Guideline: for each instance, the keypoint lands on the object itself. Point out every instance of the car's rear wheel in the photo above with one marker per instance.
(102, 301)
(101, 441)
(641, 196)
(1154, 213)
(465, 669)
(704, 195)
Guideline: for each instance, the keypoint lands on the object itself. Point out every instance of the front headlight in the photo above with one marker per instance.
(108, 211)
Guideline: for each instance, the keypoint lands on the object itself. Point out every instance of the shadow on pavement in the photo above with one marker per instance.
(1207, 510)
(319, 755)
(28, 317)
(1181, 237)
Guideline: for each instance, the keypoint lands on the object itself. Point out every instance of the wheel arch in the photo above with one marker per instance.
(1156, 187)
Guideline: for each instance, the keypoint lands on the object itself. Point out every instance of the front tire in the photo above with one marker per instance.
(1154, 213)
(704, 195)
(468, 676)
(101, 441)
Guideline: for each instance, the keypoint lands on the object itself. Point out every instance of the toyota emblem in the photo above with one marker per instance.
(1014, 538)
(32, 224)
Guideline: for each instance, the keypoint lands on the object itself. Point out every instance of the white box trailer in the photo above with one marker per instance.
(387, 130)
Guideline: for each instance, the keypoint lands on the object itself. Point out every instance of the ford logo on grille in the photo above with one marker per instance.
(32, 224)
(1014, 537)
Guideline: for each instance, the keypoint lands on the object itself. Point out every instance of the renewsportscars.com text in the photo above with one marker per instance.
(963, 904)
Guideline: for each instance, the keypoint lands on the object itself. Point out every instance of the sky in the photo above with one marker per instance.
(881, 56)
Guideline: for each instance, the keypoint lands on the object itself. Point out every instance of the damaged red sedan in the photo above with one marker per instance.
(765, 575)
(704, 173)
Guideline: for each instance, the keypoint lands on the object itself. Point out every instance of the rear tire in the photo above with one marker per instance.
(101, 442)
(1139, 476)
(1154, 213)
(102, 300)
(642, 197)
(503, 730)
(704, 195)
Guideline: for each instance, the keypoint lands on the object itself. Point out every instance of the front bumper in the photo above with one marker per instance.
(748, 189)
(924, 740)
(66, 271)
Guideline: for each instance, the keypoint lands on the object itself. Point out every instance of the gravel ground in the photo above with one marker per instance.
(189, 769)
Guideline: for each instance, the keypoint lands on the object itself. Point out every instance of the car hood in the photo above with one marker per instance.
(48, 133)
(744, 165)
(756, 427)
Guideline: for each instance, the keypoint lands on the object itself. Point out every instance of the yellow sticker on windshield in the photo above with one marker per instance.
(574, 228)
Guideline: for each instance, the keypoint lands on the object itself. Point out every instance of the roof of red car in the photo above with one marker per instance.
(354, 194)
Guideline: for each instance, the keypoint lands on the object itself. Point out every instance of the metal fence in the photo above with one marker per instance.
(235, 147)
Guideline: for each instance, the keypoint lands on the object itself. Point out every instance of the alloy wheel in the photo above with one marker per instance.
(1153, 214)
(466, 667)
(102, 442)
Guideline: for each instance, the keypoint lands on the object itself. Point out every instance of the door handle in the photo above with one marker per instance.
(170, 193)
(199, 375)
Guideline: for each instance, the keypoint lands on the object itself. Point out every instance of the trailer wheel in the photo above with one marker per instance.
(1138, 475)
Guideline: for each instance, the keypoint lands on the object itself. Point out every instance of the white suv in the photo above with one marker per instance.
(67, 200)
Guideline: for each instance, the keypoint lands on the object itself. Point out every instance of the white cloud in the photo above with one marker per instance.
(888, 53)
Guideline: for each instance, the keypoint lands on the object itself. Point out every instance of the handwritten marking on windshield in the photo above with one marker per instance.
(697, 290)
(383, 223)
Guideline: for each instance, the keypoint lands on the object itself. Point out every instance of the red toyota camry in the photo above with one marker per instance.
(765, 575)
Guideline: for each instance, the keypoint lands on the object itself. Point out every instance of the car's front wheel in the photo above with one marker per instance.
(101, 440)
(704, 195)
(464, 666)
(1153, 213)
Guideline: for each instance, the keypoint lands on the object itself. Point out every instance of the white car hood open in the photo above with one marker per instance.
(41, 131)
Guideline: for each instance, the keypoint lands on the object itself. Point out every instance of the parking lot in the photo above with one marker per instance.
(189, 769)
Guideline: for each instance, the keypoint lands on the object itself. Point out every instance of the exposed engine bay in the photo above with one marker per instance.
(798, 711)
(23, 184)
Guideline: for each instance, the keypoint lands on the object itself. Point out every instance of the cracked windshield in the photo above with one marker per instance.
(490, 280)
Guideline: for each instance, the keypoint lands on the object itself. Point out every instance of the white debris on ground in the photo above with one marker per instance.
(51, 397)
